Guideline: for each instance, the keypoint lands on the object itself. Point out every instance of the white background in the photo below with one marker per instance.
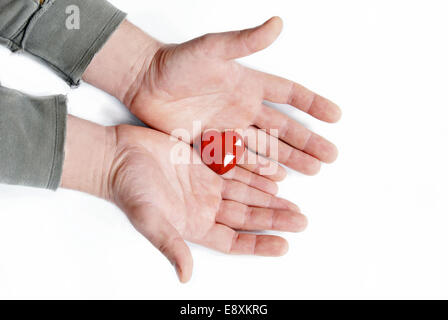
(378, 216)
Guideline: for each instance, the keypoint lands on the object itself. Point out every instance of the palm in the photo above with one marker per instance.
(200, 81)
(188, 196)
(213, 91)
(168, 202)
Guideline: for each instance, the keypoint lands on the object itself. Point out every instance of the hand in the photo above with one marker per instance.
(170, 86)
(169, 203)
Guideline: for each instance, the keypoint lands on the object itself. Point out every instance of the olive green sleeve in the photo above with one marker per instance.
(64, 34)
(32, 137)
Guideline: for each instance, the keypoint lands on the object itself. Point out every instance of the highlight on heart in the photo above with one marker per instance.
(223, 149)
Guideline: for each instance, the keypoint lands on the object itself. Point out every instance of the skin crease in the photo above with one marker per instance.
(168, 86)
(169, 203)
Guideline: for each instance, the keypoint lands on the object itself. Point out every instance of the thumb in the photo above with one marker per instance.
(238, 44)
(165, 238)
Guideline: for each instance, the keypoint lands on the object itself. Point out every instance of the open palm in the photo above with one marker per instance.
(169, 202)
(200, 81)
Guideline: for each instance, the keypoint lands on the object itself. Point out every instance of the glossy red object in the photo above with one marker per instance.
(221, 151)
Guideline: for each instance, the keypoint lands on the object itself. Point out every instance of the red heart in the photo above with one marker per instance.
(221, 151)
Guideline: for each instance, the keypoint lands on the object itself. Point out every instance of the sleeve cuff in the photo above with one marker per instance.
(55, 36)
(32, 139)
(60, 127)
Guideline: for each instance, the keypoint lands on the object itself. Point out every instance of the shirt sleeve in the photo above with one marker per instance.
(32, 138)
(65, 34)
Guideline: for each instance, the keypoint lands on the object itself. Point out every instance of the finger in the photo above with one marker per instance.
(296, 135)
(165, 238)
(266, 145)
(239, 216)
(241, 192)
(280, 90)
(262, 166)
(252, 179)
(227, 240)
(237, 44)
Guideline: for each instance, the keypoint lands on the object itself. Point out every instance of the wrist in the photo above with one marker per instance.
(89, 152)
(120, 66)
